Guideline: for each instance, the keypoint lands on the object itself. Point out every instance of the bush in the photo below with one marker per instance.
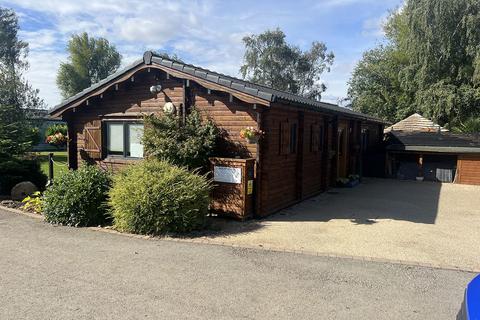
(78, 198)
(33, 203)
(187, 145)
(13, 171)
(154, 197)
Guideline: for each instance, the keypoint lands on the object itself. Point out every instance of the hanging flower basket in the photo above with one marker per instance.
(251, 134)
(58, 139)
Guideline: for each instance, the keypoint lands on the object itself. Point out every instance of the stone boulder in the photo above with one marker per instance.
(22, 190)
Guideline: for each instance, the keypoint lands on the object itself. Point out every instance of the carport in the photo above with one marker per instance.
(433, 156)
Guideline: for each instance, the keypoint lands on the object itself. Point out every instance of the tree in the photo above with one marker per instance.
(434, 49)
(17, 97)
(188, 145)
(376, 88)
(471, 125)
(269, 60)
(90, 61)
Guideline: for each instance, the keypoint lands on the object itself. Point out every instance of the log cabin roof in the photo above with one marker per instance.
(446, 142)
(260, 92)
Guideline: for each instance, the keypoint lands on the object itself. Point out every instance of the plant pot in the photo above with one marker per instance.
(420, 178)
(253, 140)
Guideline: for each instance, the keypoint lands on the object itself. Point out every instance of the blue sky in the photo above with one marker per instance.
(205, 33)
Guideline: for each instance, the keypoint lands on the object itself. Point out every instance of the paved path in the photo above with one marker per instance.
(49, 272)
(409, 221)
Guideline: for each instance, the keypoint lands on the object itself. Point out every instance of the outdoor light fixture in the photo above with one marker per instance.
(156, 89)
(169, 108)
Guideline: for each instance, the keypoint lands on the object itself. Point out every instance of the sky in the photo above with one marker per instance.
(204, 33)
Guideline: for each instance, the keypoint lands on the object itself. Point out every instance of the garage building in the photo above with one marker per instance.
(419, 149)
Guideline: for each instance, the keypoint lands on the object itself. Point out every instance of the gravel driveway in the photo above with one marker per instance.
(410, 221)
(52, 272)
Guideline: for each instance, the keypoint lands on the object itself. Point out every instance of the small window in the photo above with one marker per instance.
(293, 138)
(124, 139)
(316, 138)
(134, 145)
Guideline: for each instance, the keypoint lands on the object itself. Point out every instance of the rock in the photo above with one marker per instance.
(11, 204)
(22, 190)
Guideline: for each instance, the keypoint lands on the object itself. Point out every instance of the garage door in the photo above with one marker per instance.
(468, 167)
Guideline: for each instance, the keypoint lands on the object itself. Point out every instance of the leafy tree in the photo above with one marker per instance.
(269, 60)
(188, 145)
(16, 96)
(90, 61)
(471, 125)
(376, 88)
(433, 48)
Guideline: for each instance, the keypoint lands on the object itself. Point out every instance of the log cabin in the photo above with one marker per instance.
(306, 147)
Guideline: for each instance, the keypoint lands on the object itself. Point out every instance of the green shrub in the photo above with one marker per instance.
(78, 198)
(13, 171)
(33, 203)
(187, 145)
(154, 197)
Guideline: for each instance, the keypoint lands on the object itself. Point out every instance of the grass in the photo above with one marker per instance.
(60, 165)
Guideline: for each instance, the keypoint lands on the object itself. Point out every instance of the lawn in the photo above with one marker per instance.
(60, 162)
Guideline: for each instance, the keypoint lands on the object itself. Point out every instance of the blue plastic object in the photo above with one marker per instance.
(471, 304)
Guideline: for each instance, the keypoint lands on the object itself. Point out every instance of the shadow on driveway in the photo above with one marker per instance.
(372, 200)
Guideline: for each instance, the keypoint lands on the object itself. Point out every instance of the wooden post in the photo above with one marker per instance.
(50, 168)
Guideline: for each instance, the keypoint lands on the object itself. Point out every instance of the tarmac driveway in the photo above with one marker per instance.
(409, 221)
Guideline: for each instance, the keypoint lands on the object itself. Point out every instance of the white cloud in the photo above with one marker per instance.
(374, 26)
(40, 39)
(42, 73)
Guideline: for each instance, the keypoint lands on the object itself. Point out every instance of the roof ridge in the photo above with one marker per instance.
(253, 84)
(247, 87)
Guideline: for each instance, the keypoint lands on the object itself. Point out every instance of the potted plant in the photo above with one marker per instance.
(251, 134)
(56, 135)
(350, 182)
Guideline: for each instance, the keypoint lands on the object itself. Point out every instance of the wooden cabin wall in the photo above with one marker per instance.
(289, 178)
(468, 169)
(133, 99)
(230, 117)
(279, 171)
(343, 153)
(129, 102)
(313, 158)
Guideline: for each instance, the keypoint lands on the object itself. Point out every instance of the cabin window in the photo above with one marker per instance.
(124, 139)
(288, 137)
(316, 138)
(293, 138)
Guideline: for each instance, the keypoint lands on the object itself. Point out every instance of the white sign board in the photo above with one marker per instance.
(227, 174)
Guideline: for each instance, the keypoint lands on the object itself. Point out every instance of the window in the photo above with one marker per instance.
(293, 138)
(288, 137)
(124, 139)
(316, 138)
